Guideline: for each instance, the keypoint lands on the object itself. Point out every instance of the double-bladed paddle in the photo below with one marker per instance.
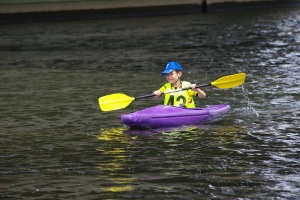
(118, 101)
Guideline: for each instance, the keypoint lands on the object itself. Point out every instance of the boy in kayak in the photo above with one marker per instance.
(184, 98)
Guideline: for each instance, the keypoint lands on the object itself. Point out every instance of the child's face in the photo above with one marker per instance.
(173, 76)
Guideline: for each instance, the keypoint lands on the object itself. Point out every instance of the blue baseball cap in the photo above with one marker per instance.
(171, 66)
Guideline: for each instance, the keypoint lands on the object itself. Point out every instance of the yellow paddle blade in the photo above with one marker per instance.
(114, 101)
(230, 81)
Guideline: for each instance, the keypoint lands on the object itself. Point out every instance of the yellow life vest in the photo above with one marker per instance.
(181, 99)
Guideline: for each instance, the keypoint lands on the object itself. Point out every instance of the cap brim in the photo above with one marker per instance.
(167, 71)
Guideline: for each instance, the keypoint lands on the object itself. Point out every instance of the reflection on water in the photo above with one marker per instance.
(125, 163)
(114, 154)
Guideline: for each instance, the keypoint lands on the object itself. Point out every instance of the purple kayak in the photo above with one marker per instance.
(170, 116)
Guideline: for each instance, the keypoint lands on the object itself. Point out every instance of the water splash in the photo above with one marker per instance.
(245, 94)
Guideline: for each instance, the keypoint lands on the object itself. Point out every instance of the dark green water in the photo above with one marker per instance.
(57, 144)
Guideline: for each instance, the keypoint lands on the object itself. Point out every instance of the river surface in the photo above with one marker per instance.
(57, 144)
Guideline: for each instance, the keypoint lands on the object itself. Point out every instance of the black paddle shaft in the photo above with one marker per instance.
(152, 95)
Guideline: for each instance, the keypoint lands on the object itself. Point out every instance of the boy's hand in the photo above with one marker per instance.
(192, 86)
(200, 92)
(157, 93)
